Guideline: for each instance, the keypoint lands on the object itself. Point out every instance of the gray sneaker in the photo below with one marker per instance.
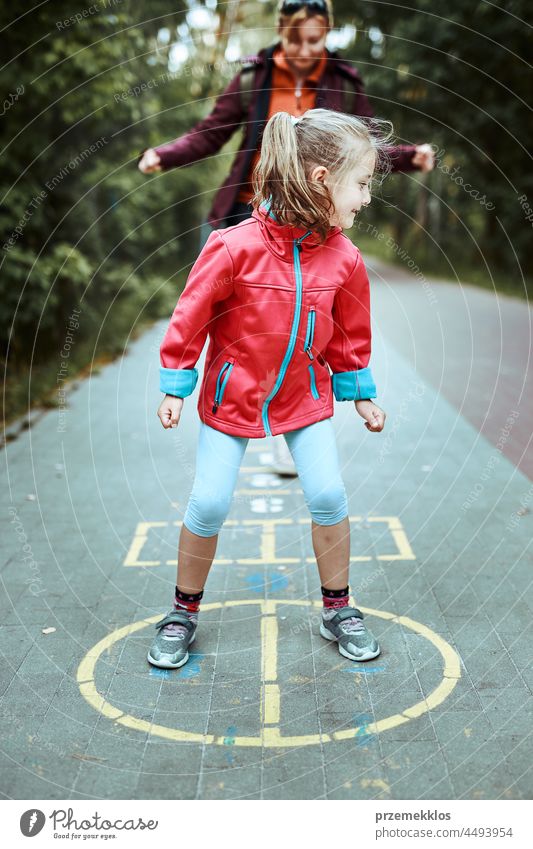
(355, 641)
(175, 634)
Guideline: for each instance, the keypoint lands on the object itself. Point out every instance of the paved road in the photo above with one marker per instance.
(441, 524)
(474, 347)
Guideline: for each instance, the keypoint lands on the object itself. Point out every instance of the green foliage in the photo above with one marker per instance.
(458, 79)
(81, 227)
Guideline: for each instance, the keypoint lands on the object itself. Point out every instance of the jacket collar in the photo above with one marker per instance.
(280, 238)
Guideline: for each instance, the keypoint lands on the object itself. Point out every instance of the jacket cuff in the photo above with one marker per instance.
(177, 381)
(167, 156)
(402, 158)
(353, 385)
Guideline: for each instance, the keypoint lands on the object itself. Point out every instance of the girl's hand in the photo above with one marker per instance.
(150, 162)
(170, 411)
(373, 415)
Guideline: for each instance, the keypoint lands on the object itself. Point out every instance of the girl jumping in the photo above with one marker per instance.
(284, 297)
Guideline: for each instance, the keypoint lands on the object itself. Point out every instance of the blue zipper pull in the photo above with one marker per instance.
(300, 239)
(226, 368)
(310, 333)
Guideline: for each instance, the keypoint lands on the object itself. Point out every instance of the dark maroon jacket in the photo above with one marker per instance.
(209, 134)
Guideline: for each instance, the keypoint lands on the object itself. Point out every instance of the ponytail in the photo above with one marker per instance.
(292, 147)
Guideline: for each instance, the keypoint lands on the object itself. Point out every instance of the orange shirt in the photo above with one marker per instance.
(286, 97)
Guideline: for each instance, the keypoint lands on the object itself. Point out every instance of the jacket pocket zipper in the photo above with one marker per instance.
(222, 381)
(310, 333)
(314, 390)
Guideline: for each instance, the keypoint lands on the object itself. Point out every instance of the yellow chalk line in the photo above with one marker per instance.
(270, 736)
(268, 542)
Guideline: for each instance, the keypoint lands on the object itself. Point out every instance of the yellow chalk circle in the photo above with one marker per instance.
(270, 735)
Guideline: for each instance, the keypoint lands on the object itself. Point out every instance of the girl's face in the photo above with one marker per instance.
(304, 45)
(351, 193)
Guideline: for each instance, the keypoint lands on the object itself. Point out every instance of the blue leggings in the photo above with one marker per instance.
(218, 460)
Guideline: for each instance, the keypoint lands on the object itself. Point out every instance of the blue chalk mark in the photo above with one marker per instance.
(279, 582)
(229, 739)
(366, 670)
(155, 672)
(193, 666)
(258, 583)
(363, 737)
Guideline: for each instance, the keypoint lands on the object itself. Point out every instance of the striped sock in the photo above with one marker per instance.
(188, 602)
(333, 600)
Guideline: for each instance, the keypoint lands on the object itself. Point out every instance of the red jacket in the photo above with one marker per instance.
(281, 310)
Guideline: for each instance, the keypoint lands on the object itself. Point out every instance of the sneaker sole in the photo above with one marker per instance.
(368, 655)
(162, 664)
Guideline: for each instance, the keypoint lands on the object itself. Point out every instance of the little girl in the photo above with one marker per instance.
(284, 297)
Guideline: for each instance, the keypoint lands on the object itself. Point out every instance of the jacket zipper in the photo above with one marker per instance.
(309, 336)
(310, 332)
(297, 247)
(222, 380)
(314, 391)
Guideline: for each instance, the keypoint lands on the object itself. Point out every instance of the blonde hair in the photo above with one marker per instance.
(292, 147)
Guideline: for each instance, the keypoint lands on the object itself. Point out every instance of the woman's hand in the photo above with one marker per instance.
(373, 415)
(170, 411)
(150, 162)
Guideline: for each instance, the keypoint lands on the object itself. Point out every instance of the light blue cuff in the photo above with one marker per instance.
(177, 381)
(353, 385)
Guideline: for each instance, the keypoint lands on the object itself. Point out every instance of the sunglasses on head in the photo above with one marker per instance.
(291, 6)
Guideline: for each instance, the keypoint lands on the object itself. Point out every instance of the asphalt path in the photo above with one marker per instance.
(440, 506)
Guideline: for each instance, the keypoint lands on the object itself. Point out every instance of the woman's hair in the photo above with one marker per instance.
(292, 147)
(292, 14)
